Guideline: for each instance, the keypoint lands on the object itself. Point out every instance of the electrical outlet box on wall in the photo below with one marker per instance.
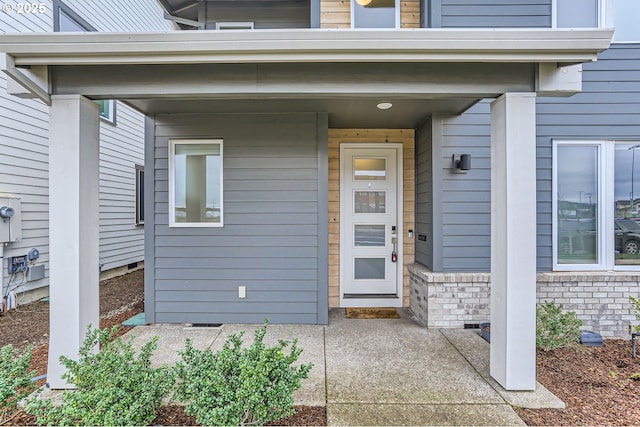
(10, 219)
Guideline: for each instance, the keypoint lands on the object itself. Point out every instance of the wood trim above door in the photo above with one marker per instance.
(337, 136)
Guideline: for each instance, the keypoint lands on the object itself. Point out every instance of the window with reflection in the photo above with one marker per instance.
(577, 204)
(626, 204)
(596, 188)
(195, 183)
(369, 169)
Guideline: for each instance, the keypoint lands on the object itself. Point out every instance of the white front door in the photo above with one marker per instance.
(371, 240)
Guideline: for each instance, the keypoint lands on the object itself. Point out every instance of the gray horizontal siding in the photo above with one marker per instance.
(269, 242)
(495, 13)
(466, 198)
(264, 15)
(424, 196)
(24, 133)
(121, 148)
(608, 108)
(24, 167)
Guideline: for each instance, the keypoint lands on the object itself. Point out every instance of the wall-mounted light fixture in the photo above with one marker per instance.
(460, 163)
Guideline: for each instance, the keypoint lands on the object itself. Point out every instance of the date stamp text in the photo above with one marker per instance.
(23, 8)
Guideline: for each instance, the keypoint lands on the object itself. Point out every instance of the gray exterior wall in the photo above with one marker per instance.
(461, 203)
(490, 13)
(424, 196)
(608, 108)
(264, 15)
(274, 239)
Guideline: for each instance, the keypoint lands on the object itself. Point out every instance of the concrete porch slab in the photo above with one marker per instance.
(476, 351)
(396, 361)
(171, 340)
(423, 415)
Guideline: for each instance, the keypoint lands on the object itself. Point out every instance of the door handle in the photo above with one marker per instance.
(394, 254)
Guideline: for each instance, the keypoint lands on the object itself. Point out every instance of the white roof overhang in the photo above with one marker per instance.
(308, 45)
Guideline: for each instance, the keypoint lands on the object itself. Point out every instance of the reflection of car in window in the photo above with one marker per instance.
(627, 236)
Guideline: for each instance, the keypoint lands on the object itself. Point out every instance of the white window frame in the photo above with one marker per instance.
(397, 10)
(226, 25)
(600, 251)
(172, 180)
(606, 208)
(111, 116)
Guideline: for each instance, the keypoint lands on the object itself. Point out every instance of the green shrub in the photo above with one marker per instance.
(555, 329)
(239, 386)
(15, 380)
(113, 386)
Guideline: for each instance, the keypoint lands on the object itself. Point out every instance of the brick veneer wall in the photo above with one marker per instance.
(600, 299)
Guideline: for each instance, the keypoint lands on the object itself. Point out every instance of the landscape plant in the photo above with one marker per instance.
(114, 386)
(240, 385)
(15, 380)
(555, 328)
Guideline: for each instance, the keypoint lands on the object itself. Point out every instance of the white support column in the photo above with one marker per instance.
(513, 241)
(73, 224)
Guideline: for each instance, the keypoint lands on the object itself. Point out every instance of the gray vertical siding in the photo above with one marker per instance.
(424, 196)
(466, 198)
(608, 108)
(270, 240)
(493, 13)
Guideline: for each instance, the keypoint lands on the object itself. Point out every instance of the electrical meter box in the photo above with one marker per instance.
(10, 219)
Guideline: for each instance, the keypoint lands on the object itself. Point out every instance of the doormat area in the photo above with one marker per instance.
(372, 313)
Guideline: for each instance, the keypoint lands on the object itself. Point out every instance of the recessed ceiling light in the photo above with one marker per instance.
(385, 105)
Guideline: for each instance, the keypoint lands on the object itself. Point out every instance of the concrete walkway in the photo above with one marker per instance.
(380, 372)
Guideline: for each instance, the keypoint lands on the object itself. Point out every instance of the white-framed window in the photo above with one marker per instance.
(139, 195)
(622, 15)
(107, 110)
(375, 13)
(596, 205)
(195, 183)
(66, 20)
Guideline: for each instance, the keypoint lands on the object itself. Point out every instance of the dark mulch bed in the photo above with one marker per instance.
(120, 299)
(594, 382)
(304, 416)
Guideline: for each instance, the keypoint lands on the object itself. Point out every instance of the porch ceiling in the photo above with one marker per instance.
(343, 113)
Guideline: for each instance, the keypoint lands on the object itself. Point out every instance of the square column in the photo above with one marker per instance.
(73, 227)
(513, 241)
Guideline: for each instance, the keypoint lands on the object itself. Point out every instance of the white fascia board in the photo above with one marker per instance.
(309, 45)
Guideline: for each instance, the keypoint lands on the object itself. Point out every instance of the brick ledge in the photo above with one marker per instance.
(547, 276)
